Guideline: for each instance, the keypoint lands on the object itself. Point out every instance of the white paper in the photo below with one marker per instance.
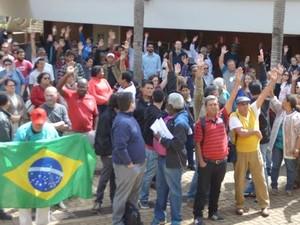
(159, 127)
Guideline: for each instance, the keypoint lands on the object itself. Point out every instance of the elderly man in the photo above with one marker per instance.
(245, 124)
(57, 113)
(82, 106)
(36, 129)
(170, 166)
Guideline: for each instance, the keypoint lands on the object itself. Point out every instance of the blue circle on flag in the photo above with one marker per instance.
(45, 174)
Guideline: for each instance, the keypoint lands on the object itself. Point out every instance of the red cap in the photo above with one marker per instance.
(38, 116)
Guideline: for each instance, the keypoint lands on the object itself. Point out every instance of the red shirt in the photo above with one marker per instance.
(214, 146)
(82, 111)
(24, 66)
(37, 95)
(100, 89)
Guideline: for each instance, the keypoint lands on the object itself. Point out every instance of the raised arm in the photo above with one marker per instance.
(266, 91)
(238, 78)
(33, 46)
(221, 57)
(198, 91)
(146, 42)
(262, 69)
(63, 80)
(193, 51)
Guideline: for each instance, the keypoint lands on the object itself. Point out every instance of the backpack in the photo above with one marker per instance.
(132, 215)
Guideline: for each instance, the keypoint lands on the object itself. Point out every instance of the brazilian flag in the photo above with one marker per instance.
(43, 173)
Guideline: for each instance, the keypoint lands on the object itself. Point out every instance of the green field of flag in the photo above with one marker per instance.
(43, 173)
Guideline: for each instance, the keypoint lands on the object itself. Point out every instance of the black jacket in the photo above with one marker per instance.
(103, 144)
(151, 114)
(139, 112)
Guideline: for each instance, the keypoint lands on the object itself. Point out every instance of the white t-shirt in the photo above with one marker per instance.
(234, 121)
(130, 88)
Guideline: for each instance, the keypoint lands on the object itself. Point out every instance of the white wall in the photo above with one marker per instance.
(233, 15)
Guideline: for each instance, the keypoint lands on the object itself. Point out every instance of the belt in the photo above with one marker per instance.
(217, 162)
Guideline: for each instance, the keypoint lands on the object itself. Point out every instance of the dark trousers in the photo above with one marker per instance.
(101, 108)
(189, 145)
(107, 174)
(209, 185)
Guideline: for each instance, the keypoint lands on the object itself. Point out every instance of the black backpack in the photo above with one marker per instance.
(132, 215)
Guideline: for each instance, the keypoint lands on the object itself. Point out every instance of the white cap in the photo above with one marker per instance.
(110, 54)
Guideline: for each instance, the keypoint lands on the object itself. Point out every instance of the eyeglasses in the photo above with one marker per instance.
(11, 85)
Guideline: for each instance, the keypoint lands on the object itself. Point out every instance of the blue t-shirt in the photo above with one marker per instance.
(26, 133)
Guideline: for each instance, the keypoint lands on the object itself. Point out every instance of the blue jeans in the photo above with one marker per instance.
(168, 183)
(290, 164)
(150, 171)
(193, 186)
(265, 152)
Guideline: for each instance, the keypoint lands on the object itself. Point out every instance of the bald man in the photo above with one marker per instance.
(57, 113)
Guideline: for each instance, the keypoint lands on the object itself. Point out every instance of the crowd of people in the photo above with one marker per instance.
(244, 115)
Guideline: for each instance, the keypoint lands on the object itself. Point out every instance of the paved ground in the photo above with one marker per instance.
(284, 210)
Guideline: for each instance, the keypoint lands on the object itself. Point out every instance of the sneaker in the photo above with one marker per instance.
(143, 205)
(216, 217)
(239, 211)
(265, 212)
(97, 207)
(289, 193)
(274, 191)
(5, 216)
(198, 221)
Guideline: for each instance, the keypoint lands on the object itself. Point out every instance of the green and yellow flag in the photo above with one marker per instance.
(43, 173)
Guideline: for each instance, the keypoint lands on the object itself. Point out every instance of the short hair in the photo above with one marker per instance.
(39, 59)
(69, 52)
(20, 50)
(145, 82)
(126, 76)
(124, 100)
(210, 98)
(176, 101)
(95, 70)
(113, 101)
(3, 99)
(210, 90)
(158, 96)
(51, 89)
(219, 82)
(292, 99)
(255, 87)
(40, 77)
(9, 80)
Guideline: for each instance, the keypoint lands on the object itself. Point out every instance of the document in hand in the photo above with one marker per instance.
(160, 127)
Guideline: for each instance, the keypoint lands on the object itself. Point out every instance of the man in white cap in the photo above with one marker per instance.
(112, 71)
(170, 167)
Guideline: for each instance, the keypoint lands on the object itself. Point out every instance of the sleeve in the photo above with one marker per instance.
(234, 122)
(120, 138)
(36, 98)
(21, 77)
(178, 142)
(198, 136)
(31, 78)
(158, 64)
(255, 109)
(51, 72)
(193, 51)
(100, 100)
(224, 69)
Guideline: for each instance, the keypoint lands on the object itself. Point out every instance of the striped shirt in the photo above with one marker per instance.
(214, 141)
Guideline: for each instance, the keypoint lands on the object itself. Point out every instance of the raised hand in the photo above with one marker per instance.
(111, 35)
(177, 68)
(100, 43)
(80, 28)
(260, 57)
(295, 76)
(200, 59)
(129, 34)
(62, 31)
(126, 45)
(50, 38)
(247, 59)
(70, 70)
(224, 50)
(239, 74)
(195, 38)
(285, 49)
(54, 30)
(32, 35)
(159, 44)
(280, 69)
(146, 35)
(68, 29)
(274, 73)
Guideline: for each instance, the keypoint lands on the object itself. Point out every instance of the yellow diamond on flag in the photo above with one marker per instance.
(44, 174)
